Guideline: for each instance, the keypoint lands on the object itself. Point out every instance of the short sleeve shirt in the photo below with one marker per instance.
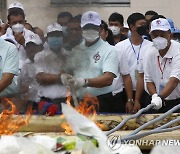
(91, 62)
(9, 63)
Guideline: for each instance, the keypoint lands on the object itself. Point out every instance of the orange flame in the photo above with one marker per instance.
(10, 123)
(86, 107)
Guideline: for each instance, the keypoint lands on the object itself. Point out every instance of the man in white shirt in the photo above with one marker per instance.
(162, 72)
(16, 21)
(93, 64)
(27, 82)
(131, 49)
(49, 65)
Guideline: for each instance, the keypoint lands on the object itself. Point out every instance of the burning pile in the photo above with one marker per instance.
(10, 123)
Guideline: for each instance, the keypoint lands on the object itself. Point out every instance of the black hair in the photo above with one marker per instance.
(15, 9)
(104, 25)
(75, 19)
(151, 12)
(116, 17)
(64, 14)
(156, 17)
(29, 25)
(134, 17)
(109, 38)
(16, 12)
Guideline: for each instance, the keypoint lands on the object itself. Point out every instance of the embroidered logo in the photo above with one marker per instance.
(31, 36)
(158, 22)
(90, 15)
(96, 57)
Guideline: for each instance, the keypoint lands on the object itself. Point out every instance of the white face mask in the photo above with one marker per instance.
(160, 43)
(18, 28)
(115, 30)
(90, 35)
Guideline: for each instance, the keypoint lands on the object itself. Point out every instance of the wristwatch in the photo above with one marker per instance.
(86, 83)
(131, 100)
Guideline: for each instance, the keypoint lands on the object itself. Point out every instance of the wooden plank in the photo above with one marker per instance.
(53, 124)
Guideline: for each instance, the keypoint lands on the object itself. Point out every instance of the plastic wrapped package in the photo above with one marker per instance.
(21, 145)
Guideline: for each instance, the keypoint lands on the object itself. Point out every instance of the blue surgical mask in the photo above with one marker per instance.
(55, 43)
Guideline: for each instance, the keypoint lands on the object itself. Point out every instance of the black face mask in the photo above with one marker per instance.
(142, 30)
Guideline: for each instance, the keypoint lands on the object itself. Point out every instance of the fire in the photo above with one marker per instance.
(10, 123)
(86, 107)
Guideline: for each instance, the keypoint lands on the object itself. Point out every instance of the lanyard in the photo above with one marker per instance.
(137, 57)
(162, 70)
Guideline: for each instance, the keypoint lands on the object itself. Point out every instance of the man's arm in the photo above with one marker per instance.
(171, 85)
(6, 80)
(128, 86)
(129, 91)
(47, 78)
(102, 81)
(151, 88)
(139, 91)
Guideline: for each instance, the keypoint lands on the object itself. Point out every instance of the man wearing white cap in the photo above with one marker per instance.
(93, 64)
(162, 72)
(16, 19)
(27, 82)
(49, 66)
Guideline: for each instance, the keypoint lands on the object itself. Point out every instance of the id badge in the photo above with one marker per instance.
(136, 72)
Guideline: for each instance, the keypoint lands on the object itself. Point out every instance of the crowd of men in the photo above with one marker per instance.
(125, 65)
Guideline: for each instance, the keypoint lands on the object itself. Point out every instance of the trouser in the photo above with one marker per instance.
(169, 104)
(105, 103)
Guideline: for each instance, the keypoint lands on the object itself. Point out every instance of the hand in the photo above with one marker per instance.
(19, 38)
(65, 79)
(76, 82)
(3, 28)
(129, 107)
(136, 107)
(157, 101)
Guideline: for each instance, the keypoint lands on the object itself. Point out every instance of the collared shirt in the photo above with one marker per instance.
(22, 53)
(8, 64)
(131, 53)
(49, 62)
(159, 70)
(123, 69)
(27, 77)
(91, 62)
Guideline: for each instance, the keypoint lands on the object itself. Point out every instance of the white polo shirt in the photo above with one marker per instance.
(49, 62)
(91, 62)
(22, 53)
(123, 69)
(158, 70)
(8, 64)
(132, 53)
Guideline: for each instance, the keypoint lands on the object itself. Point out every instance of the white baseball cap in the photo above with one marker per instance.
(33, 38)
(90, 17)
(160, 24)
(16, 4)
(54, 27)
